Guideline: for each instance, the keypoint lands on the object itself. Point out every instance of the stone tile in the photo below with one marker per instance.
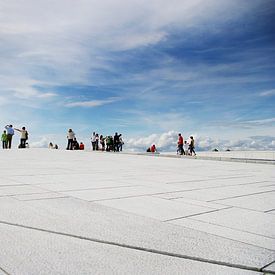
(241, 219)
(21, 189)
(112, 193)
(57, 254)
(43, 196)
(260, 202)
(91, 220)
(156, 208)
(219, 193)
(270, 268)
(226, 232)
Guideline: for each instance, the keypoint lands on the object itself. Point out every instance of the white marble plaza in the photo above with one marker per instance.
(81, 212)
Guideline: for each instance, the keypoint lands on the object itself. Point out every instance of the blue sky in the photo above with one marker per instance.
(205, 68)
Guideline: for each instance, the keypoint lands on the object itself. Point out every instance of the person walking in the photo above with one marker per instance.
(24, 137)
(180, 145)
(10, 133)
(192, 146)
(4, 139)
(70, 137)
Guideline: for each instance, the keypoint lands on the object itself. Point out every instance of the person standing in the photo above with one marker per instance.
(102, 142)
(24, 137)
(10, 133)
(116, 142)
(4, 139)
(180, 145)
(93, 139)
(70, 137)
(121, 142)
(192, 146)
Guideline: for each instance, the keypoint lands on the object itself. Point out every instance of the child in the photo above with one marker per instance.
(81, 146)
(185, 148)
(4, 139)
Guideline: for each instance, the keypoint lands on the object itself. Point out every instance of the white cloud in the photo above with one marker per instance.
(90, 103)
(167, 142)
(42, 143)
(268, 93)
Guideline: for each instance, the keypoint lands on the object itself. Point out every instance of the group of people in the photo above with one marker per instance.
(186, 147)
(73, 144)
(99, 142)
(8, 134)
(108, 143)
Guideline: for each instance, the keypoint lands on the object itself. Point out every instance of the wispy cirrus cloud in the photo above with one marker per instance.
(91, 103)
(268, 93)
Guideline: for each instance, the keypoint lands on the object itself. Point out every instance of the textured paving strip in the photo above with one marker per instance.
(149, 250)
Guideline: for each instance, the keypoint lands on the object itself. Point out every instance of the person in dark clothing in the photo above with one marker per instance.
(192, 146)
(75, 144)
(180, 145)
(116, 142)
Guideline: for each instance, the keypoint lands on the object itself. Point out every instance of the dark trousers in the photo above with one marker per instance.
(23, 143)
(192, 150)
(9, 137)
(70, 144)
(4, 144)
(180, 149)
(94, 145)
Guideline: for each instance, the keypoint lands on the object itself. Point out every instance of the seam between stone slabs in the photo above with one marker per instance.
(219, 186)
(139, 248)
(102, 188)
(269, 211)
(220, 236)
(207, 188)
(209, 179)
(197, 214)
(39, 193)
(12, 185)
(240, 196)
(264, 268)
(41, 199)
(3, 270)
(244, 208)
(272, 238)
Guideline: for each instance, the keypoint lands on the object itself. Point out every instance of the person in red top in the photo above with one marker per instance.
(81, 146)
(180, 145)
(153, 148)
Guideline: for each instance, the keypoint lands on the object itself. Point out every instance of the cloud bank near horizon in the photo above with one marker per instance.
(167, 142)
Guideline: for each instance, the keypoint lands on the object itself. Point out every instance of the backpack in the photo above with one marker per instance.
(27, 135)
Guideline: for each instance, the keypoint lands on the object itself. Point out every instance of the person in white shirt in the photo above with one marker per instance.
(70, 137)
(185, 148)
